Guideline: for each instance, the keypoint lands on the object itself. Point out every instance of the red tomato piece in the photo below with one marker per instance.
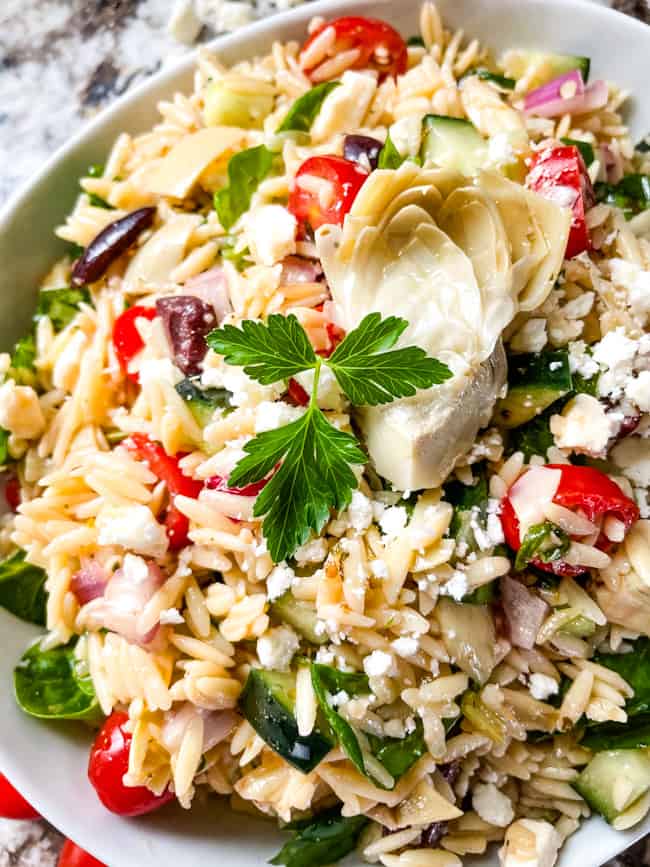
(74, 856)
(559, 173)
(377, 45)
(296, 394)
(584, 489)
(219, 483)
(126, 338)
(109, 762)
(324, 189)
(166, 468)
(12, 493)
(335, 334)
(12, 803)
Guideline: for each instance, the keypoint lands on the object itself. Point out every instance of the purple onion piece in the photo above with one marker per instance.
(187, 320)
(433, 834)
(362, 148)
(450, 772)
(111, 242)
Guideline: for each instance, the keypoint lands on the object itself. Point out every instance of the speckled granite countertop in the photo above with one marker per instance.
(61, 61)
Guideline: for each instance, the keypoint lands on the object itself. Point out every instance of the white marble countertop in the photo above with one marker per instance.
(60, 62)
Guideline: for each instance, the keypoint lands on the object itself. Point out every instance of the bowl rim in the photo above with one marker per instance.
(261, 29)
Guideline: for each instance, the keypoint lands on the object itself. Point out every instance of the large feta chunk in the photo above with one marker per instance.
(530, 843)
(584, 426)
(492, 805)
(133, 528)
(270, 232)
(276, 648)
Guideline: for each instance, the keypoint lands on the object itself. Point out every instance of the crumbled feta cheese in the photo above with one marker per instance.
(632, 456)
(279, 581)
(581, 361)
(531, 337)
(270, 415)
(244, 390)
(500, 150)
(135, 568)
(457, 586)
(330, 395)
(542, 686)
(638, 390)
(615, 353)
(184, 24)
(378, 663)
(270, 232)
(405, 646)
(276, 648)
(153, 371)
(171, 617)
(344, 109)
(325, 656)
(584, 426)
(360, 512)
(636, 281)
(314, 551)
(133, 528)
(393, 520)
(339, 698)
(492, 805)
(530, 843)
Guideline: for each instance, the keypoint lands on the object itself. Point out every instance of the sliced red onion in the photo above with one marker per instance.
(295, 269)
(126, 594)
(547, 101)
(524, 612)
(187, 321)
(212, 287)
(89, 582)
(613, 166)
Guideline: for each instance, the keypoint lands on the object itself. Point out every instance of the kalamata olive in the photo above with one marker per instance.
(187, 320)
(111, 242)
(433, 834)
(362, 149)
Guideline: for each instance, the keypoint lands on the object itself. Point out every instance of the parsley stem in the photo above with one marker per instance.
(313, 401)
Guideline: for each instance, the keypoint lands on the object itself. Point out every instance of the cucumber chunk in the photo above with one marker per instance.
(452, 143)
(268, 703)
(225, 106)
(535, 381)
(301, 615)
(614, 780)
(202, 402)
(547, 66)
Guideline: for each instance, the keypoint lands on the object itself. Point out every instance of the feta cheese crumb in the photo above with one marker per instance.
(393, 520)
(638, 390)
(405, 646)
(279, 581)
(531, 337)
(542, 686)
(133, 528)
(270, 415)
(171, 617)
(530, 843)
(584, 426)
(615, 353)
(580, 361)
(378, 663)
(360, 512)
(636, 281)
(457, 586)
(276, 648)
(314, 551)
(492, 805)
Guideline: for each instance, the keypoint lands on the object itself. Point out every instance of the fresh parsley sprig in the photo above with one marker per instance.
(313, 459)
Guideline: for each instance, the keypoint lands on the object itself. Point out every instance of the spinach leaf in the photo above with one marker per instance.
(328, 681)
(61, 305)
(545, 542)
(635, 669)
(398, 755)
(23, 357)
(97, 171)
(389, 156)
(586, 150)
(246, 170)
(470, 509)
(49, 684)
(323, 841)
(22, 589)
(303, 112)
(416, 41)
(631, 194)
(5, 457)
(483, 595)
(631, 735)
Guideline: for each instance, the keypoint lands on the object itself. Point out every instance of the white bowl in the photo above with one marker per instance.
(48, 762)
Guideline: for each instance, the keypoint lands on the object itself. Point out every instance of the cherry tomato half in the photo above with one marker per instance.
(167, 469)
(324, 189)
(74, 856)
(220, 483)
(12, 493)
(12, 803)
(580, 488)
(126, 337)
(109, 762)
(372, 44)
(559, 173)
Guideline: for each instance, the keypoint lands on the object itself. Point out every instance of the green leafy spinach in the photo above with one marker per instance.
(22, 589)
(322, 841)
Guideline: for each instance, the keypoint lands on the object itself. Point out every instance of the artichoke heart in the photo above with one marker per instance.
(458, 259)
